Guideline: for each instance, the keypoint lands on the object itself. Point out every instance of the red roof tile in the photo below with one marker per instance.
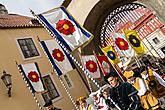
(14, 20)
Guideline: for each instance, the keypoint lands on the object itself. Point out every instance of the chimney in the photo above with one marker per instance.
(3, 9)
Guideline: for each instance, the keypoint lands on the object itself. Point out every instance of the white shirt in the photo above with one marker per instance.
(143, 88)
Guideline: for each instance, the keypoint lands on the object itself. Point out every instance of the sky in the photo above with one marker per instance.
(22, 7)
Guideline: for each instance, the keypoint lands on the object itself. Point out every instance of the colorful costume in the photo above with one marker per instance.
(148, 100)
(154, 82)
(99, 100)
(125, 96)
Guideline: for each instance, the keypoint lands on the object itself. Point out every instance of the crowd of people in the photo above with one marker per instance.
(144, 89)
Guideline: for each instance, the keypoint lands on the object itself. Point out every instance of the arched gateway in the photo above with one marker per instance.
(102, 21)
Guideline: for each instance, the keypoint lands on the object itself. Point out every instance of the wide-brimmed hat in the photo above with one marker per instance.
(128, 74)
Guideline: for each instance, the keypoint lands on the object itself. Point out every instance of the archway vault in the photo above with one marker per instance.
(98, 16)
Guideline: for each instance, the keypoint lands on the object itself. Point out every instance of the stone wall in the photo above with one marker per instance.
(158, 6)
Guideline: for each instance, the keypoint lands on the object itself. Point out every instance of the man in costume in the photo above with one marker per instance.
(148, 101)
(123, 93)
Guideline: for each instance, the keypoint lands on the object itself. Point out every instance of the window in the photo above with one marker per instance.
(28, 48)
(69, 83)
(156, 40)
(163, 50)
(51, 92)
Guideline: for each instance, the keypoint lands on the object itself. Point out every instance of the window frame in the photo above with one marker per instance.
(162, 48)
(55, 85)
(156, 40)
(69, 81)
(20, 49)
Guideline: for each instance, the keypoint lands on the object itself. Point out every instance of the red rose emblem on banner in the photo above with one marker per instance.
(33, 76)
(65, 27)
(58, 55)
(121, 43)
(91, 66)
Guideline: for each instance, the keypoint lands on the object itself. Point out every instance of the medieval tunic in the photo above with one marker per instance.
(125, 96)
(148, 101)
(155, 83)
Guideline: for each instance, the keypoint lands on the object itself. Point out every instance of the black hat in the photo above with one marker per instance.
(48, 103)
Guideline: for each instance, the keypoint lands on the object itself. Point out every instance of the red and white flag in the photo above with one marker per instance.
(122, 44)
(32, 75)
(90, 64)
(104, 64)
(66, 29)
(57, 57)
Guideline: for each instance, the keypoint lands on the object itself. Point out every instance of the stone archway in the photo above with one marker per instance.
(106, 11)
(107, 17)
(96, 19)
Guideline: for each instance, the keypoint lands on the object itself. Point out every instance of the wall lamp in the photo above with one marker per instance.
(6, 78)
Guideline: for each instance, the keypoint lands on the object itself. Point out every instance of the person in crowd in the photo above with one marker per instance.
(99, 100)
(83, 105)
(108, 101)
(49, 106)
(148, 101)
(155, 83)
(123, 94)
(153, 80)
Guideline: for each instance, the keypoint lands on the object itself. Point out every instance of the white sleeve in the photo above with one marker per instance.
(158, 77)
(92, 94)
(98, 92)
(143, 88)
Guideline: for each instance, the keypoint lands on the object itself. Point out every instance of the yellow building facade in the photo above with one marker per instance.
(89, 13)
(15, 28)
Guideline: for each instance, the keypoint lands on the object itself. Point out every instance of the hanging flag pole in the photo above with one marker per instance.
(66, 50)
(90, 88)
(33, 94)
(63, 84)
(79, 72)
(61, 81)
(67, 91)
(89, 83)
